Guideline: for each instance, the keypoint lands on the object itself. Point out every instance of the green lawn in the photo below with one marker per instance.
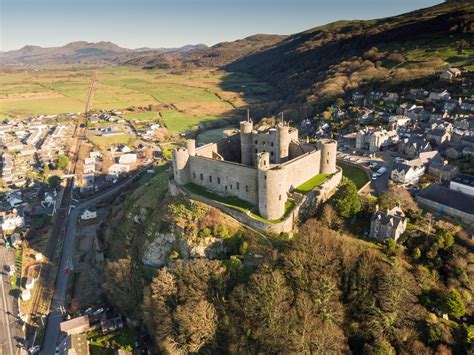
(103, 344)
(357, 175)
(108, 141)
(312, 183)
(149, 115)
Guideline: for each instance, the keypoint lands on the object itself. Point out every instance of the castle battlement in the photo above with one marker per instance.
(261, 168)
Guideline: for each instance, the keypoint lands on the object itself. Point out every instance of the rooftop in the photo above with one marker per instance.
(447, 197)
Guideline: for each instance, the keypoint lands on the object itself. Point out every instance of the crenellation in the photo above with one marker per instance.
(260, 167)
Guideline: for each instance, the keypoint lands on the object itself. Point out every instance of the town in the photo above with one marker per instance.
(298, 193)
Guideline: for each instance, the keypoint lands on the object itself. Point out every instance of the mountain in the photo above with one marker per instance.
(315, 66)
(80, 52)
(71, 53)
(215, 56)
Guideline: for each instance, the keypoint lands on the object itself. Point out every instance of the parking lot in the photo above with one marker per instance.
(369, 162)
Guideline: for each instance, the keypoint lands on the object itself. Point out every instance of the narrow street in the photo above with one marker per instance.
(9, 323)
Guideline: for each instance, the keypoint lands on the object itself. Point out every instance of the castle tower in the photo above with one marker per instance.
(283, 142)
(246, 128)
(180, 165)
(191, 147)
(328, 149)
(271, 194)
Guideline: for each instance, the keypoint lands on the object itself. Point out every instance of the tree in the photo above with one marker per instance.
(453, 304)
(346, 200)
(123, 285)
(330, 218)
(54, 181)
(340, 102)
(62, 163)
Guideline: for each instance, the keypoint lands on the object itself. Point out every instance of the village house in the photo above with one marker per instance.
(406, 173)
(438, 135)
(88, 214)
(440, 95)
(388, 224)
(10, 220)
(414, 146)
(467, 105)
(75, 326)
(75, 344)
(374, 140)
(399, 120)
(450, 74)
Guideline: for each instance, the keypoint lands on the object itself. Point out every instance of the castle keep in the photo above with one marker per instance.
(260, 167)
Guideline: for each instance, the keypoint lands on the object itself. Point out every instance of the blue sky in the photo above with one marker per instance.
(172, 23)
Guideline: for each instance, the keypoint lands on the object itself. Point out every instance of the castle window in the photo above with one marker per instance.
(237, 186)
(265, 177)
(202, 177)
(264, 142)
(256, 141)
(327, 161)
(231, 186)
(271, 154)
(256, 150)
(226, 188)
(194, 174)
(218, 180)
(271, 144)
(246, 188)
(210, 178)
(279, 197)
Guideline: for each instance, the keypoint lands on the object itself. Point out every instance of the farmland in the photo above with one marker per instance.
(190, 98)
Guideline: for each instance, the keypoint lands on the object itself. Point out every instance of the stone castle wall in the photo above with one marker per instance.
(224, 178)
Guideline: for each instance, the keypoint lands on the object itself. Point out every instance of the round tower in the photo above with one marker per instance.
(191, 147)
(271, 193)
(180, 168)
(328, 148)
(246, 147)
(283, 142)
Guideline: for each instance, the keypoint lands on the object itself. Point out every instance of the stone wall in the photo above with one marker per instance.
(224, 178)
(304, 206)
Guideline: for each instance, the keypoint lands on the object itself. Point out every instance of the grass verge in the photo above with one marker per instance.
(357, 175)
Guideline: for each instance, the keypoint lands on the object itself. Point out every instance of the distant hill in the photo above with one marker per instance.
(313, 67)
(216, 56)
(80, 52)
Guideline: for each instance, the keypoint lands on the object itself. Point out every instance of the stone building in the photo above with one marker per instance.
(259, 167)
(374, 140)
(387, 224)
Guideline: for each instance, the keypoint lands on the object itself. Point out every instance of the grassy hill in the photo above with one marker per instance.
(317, 65)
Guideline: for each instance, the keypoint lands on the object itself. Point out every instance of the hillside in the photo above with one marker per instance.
(218, 55)
(80, 52)
(319, 64)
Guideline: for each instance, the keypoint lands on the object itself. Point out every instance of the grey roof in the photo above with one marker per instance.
(448, 197)
(392, 217)
(437, 132)
(464, 179)
(401, 167)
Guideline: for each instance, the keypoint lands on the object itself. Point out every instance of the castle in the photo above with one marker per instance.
(261, 167)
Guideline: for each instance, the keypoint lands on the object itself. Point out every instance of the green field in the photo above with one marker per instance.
(190, 98)
(357, 175)
(107, 141)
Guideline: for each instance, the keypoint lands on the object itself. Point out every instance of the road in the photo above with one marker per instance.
(9, 325)
(52, 333)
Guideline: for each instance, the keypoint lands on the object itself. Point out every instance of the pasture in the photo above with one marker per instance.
(190, 97)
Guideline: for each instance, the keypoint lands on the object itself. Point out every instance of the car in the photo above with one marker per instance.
(399, 160)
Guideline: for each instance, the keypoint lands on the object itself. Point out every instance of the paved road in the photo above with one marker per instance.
(9, 325)
(52, 333)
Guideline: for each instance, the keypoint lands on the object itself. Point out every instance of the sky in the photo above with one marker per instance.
(173, 23)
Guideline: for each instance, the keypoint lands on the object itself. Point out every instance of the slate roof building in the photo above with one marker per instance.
(387, 224)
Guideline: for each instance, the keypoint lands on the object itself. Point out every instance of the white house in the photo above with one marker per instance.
(399, 120)
(450, 73)
(11, 220)
(30, 283)
(88, 214)
(406, 173)
(95, 154)
(128, 159)
(89, 161)
(88, 169)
